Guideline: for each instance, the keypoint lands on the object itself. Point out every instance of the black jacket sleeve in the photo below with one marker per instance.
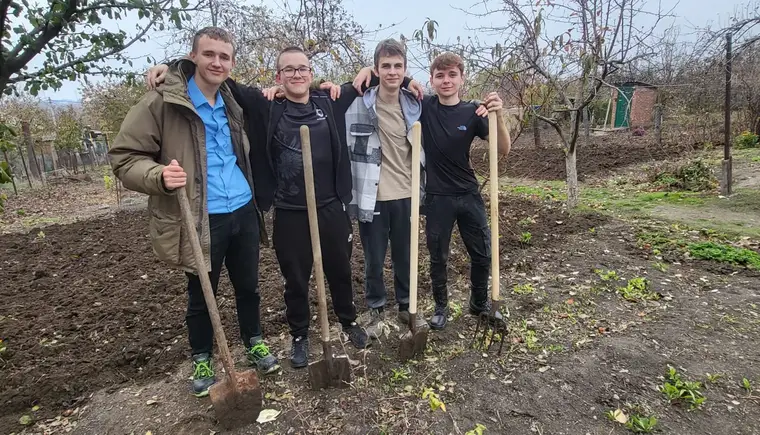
(348, 93)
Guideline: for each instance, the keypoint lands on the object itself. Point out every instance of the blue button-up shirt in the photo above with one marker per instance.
(228, 190)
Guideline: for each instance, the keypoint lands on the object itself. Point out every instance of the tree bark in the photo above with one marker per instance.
(12, 175)
(33, 166)
(536, 132)
(26, 170)
(572, 179)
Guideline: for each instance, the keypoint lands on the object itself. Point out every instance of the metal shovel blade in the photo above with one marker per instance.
(236, 407)
(331, 371)
(414, 341)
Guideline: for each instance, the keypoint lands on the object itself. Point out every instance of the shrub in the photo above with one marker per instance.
(746, 139)
(695, 176)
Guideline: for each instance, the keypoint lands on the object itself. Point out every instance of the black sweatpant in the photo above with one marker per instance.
(469, 213)
(292, 244)
(234, 242)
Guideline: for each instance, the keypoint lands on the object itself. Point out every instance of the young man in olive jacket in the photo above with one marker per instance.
(188, 134)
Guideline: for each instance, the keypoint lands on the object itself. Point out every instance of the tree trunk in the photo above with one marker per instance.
(536, 133)
(26, 170)
(586, 124)
(572, 179)
(12, 175)
(658, 123)
(33, 165)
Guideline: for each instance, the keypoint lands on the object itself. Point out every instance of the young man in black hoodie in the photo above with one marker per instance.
(332, 185)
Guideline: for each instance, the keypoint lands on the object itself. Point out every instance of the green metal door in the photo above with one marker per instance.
(623, 109)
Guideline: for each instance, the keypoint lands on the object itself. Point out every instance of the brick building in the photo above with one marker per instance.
(633, 104)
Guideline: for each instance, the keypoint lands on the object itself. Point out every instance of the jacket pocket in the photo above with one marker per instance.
(165, 236)
(360, 134)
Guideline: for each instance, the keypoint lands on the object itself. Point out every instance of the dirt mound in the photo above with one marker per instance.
(602, 155)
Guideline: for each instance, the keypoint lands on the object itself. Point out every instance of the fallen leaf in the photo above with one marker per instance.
(570, 301)
(151, 402)
(620, 416)
(25, 420)
(602, 330)
(267, 415)
(35, 408)
(543, 369)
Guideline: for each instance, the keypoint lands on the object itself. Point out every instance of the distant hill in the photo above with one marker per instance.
(61, 103)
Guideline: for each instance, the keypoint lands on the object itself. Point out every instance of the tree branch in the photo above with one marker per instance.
(84, 59)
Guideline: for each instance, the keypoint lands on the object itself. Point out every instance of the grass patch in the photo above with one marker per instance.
(725, 254)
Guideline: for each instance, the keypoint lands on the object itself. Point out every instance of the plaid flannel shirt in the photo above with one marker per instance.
(365, 150)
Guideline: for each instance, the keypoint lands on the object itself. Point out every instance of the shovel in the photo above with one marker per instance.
(492, 326)
(414, 341)
(332, 370)
(237, 398)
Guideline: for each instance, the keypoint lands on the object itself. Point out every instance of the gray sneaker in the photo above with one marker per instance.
(376, 322)
(403, 319)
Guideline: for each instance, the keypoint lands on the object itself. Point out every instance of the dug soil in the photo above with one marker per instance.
(94, 332)
(601, 155)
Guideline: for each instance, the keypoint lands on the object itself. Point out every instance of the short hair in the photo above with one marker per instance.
(289, 49)
(216, 33)
(389, 47)
(445, 61)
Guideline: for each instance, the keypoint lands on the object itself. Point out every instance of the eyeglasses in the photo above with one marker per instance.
(289, 71)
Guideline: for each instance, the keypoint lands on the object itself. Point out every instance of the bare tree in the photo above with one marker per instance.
(572, 48)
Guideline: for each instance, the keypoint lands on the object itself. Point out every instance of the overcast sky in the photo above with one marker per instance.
(410, 15)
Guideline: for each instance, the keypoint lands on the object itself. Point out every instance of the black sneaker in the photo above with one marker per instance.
(203, 374)
(357, 336)
(440, 317)
(478, 311)
(299, 352)
(258, 355)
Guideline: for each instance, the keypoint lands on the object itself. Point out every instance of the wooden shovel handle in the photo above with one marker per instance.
(316, 247)
(208, 292)
(493, 159)
(415, 227)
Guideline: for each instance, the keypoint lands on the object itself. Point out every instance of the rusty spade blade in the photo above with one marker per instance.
(331, 371)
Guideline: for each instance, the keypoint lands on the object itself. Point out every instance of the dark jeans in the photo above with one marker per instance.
(469, 212)
(292, 244)
(234, 242)
(391, 222)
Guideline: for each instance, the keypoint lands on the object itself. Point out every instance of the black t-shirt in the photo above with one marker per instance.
(447, 133)
(288, 159)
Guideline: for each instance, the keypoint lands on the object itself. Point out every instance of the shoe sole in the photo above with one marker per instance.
(299, 366)
(201, 394)
(436, 328)
(273, 369)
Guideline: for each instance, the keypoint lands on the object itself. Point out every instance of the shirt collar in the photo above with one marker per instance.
(197, 97)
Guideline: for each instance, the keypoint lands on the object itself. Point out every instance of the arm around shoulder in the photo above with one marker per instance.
(136, 149)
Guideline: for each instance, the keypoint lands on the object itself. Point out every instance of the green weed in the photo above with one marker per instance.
(609, 275)
(678, 390)
(640, 424)
(523, 289)
(638, 289)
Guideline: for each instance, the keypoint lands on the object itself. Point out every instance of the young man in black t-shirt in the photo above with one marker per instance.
(449, 126)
